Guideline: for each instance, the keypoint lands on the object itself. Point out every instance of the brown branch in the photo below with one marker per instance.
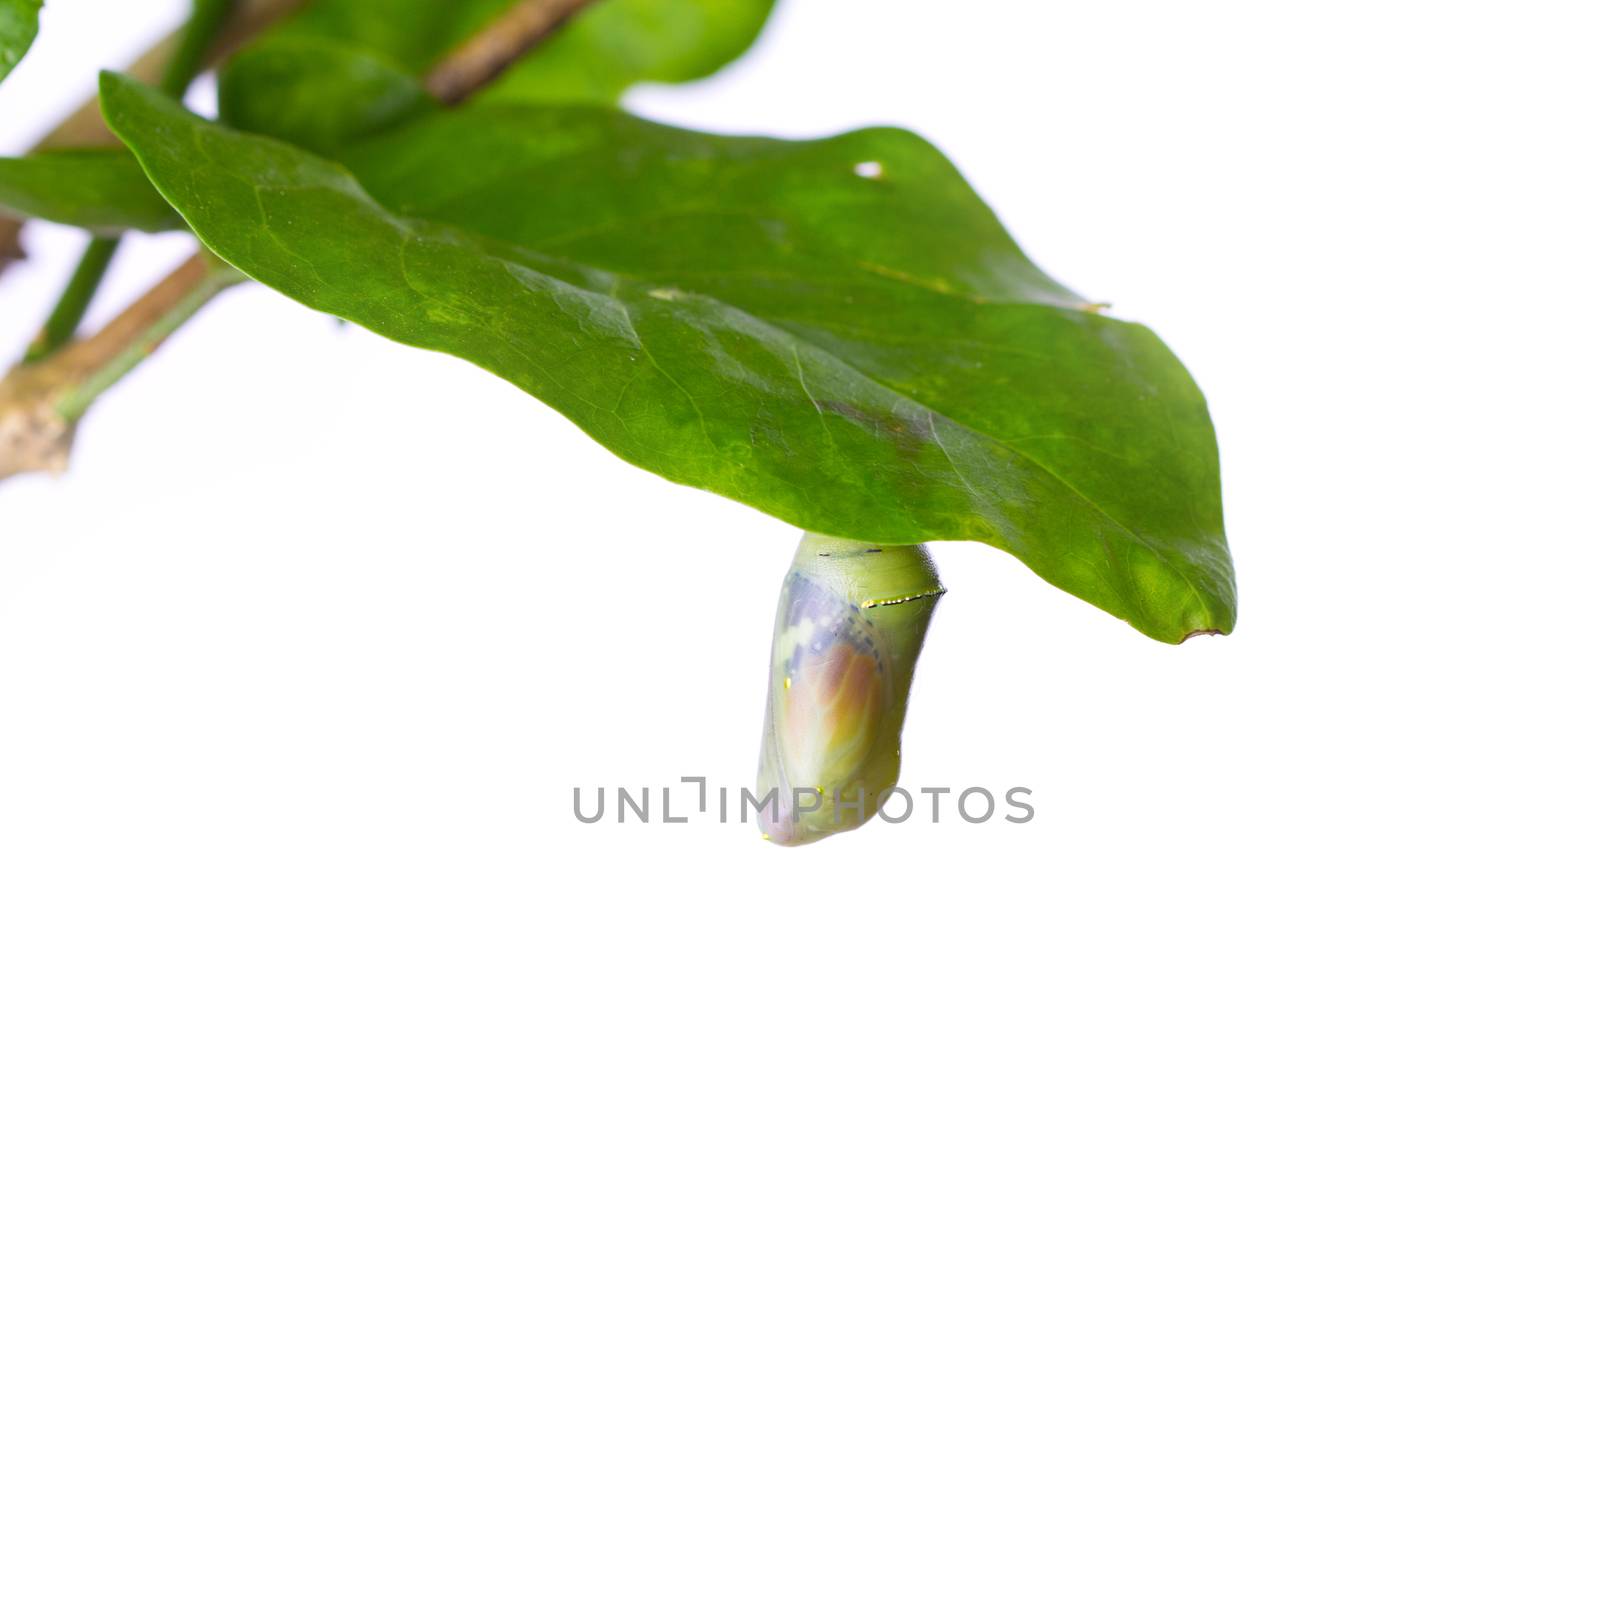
(41, 402)
(483, 57)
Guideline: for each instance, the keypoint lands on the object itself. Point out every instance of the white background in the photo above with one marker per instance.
(406, 1191)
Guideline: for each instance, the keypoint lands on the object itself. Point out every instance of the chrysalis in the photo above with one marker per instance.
(851, 620)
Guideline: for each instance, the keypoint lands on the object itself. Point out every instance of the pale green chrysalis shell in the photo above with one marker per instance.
(851, 621)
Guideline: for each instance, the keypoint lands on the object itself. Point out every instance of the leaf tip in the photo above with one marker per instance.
(117, 92)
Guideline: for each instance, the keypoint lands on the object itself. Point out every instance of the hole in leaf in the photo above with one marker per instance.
(869, 169)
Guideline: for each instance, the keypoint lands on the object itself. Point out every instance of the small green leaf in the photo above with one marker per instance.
(104, 191)
(594, 57)
(19, 23)
(341, 70)
(608, 48)
(335, 70)
(318, 93)
(836, 331)
(410, 34)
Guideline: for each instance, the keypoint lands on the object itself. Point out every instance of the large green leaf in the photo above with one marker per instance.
(104, 191)
(19, 22)
(836, 331)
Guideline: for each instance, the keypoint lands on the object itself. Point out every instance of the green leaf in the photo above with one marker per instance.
(104, 191)
(318, 78)
(607, 49)
(836, 331)
(19, 23)
(317, 93)
(410, 35)
(341, 70)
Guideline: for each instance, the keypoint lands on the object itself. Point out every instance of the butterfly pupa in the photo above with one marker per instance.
(850, 625)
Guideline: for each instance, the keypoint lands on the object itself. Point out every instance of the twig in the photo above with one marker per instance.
(483, 57)
(41, 402)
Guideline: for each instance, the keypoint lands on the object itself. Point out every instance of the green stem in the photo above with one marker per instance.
(205, 22)
(70, 309)
(189, 52)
